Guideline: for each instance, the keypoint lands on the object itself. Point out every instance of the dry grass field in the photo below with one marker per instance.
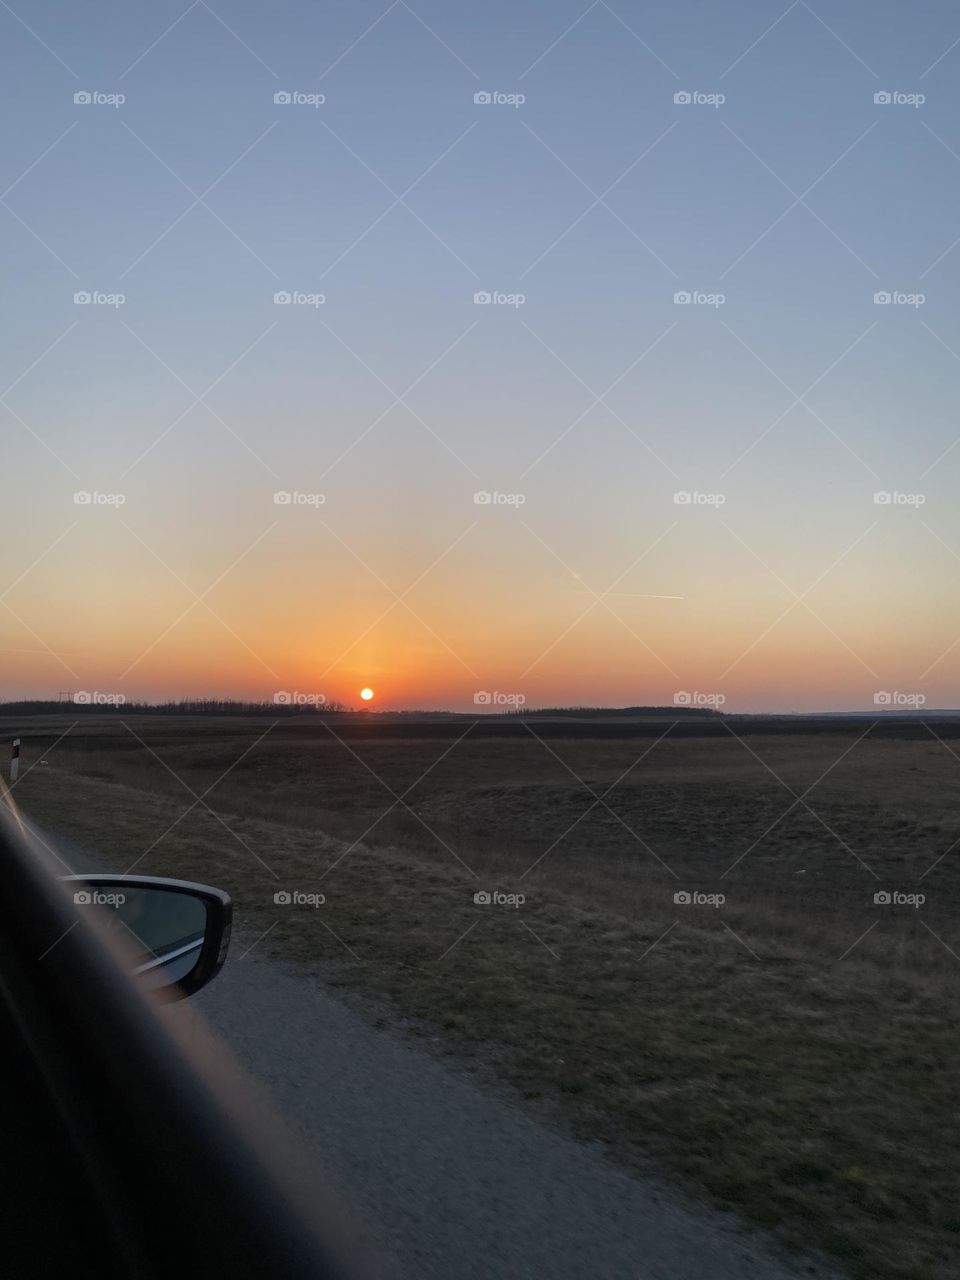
(791, 1049)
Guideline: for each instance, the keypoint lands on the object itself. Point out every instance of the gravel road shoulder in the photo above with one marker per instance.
(448, 1178)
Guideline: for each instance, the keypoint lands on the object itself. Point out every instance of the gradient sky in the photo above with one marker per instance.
(399, 398)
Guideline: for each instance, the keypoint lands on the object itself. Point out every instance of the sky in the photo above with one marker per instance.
(549, 353)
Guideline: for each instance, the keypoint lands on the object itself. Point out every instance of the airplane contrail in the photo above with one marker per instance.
(632, 595)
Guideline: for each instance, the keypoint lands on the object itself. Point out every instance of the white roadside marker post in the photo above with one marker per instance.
(15, 760)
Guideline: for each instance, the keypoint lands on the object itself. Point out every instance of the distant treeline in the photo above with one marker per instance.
(616, 711)
(99, 704)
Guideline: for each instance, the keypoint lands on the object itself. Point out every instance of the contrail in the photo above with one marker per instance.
(632, 595)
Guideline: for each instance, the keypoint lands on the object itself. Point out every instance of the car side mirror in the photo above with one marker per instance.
(175, 932)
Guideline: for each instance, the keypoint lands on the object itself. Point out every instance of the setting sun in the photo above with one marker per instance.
(366, 694)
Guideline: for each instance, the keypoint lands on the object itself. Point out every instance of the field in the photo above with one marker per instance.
(689, 958)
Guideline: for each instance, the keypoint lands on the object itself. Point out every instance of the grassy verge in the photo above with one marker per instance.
(813, 1100)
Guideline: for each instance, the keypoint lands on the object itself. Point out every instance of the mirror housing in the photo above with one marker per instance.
(179, 931)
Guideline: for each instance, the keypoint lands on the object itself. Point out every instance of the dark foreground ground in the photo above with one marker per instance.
(731, 955)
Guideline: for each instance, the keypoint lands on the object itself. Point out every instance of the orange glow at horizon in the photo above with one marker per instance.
(114, 621)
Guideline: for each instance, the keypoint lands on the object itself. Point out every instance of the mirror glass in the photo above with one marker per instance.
(165, 928)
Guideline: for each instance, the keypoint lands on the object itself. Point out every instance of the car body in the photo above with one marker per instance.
(132, 1144)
